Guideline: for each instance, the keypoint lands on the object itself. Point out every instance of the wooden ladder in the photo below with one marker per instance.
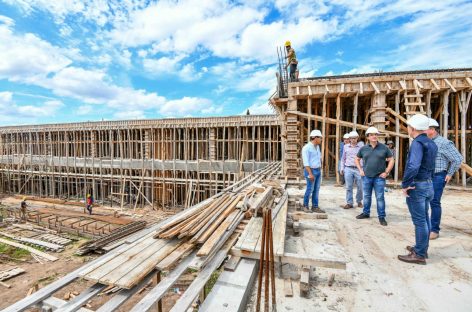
(414, 102)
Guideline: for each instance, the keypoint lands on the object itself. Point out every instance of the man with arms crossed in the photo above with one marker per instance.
(374, 173)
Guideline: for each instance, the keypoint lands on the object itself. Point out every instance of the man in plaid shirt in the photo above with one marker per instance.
(448, 161)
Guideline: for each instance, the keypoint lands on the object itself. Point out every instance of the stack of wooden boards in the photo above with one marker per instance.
(208, 226)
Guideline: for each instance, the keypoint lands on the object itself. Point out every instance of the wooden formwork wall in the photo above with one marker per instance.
(337, 105)
(160, 163)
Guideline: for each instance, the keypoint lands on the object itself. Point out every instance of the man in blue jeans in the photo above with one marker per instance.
(350, 171)
(417, 186)
(374, 173)
(311, 157)
(448, 161)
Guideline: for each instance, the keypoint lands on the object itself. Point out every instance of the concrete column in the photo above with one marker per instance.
(378, 114)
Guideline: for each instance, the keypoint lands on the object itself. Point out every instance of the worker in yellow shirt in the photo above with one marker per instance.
(291, 61)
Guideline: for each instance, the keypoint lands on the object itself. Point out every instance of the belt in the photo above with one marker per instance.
(440, 172)
(351, 167)
(428, 180)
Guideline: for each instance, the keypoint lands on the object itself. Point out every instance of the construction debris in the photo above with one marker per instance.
(96, 245)
(41, 254)
(7, 274)
(35, 242)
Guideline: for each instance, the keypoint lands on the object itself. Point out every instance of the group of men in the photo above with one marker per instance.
(431, 162)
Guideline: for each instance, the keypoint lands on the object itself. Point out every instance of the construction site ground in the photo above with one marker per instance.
(374, 279)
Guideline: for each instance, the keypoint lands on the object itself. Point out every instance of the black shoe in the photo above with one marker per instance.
(383, 221)
(363, 216)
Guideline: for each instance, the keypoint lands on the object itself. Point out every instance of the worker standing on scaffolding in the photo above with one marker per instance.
(291, 61)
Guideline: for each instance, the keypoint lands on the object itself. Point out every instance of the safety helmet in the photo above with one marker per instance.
(88, 195)
(24, 197)
(288, 43)
(353, 134)
(372, 130)
(433, 123)
(315, 133)
(346, 136)
(419, 122)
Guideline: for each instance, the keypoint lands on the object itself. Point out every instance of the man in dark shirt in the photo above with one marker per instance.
(23, 207)
(374, 173)
(417, 186)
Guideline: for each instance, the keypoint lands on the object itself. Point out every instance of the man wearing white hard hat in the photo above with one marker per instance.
(417, 186)
(311, 156)
(448, 161)
(374, 172)
(341, 150)
(350, 171)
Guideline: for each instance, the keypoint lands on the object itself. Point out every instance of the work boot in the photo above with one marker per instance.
(318, 210)
(383, 221)
(347, 206)
(306, 209)
(433, 235)
(410, 249)
(412, 257)
(363, 216)
(359, 204)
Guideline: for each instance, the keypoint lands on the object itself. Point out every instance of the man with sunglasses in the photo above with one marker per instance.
(374, 172)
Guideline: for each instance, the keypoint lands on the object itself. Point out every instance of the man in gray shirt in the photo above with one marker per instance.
(350, 172)
(374, 173)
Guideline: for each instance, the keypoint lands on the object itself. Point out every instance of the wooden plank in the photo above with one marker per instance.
(7, 274)
(30, 249)
(138, 273)
(184, 302)
(217, 234)
(175, 256)
(124, 294)
(232, 263)
(254, 234)
(98, 272)
(304, 281)
(246, 232)
(296, 259)
(296, 216)
(279, 231)
(147, 303)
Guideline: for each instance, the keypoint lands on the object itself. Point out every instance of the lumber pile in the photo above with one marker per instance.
(96, 245)
(35, 242)
(40, 254)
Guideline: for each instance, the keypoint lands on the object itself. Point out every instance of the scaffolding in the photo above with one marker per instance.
(161, 163)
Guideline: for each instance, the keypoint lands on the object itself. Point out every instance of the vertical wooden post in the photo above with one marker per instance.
(308, 101)
(397, 138)
(323, 125)
(354, 114)
(445, 113)
(464, 107)
(456, 128)
(338, 115)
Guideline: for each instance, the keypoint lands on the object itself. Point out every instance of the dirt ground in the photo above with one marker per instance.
(44, 274)
(374, 279)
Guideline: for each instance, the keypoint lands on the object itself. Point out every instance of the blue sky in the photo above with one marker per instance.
(66, 60)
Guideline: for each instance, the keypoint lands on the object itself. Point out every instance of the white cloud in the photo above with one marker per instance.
(12, 112)
(189, 105)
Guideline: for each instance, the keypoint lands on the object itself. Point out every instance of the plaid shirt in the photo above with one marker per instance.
(448, 158)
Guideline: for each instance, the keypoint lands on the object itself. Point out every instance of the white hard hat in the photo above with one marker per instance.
(372, 130)
(353, 134)
(433, 123)
(315, 133)
(419, 122)
(346, 136)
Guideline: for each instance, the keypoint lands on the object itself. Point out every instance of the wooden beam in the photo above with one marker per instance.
(375, 87)
(450, 85)
(433, 82)
(469, 81)
(402, 84)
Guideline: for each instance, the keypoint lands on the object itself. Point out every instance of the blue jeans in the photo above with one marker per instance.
(418, 202)
(352, 176)
(378, 185)
(312, 188)
(438, 186)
